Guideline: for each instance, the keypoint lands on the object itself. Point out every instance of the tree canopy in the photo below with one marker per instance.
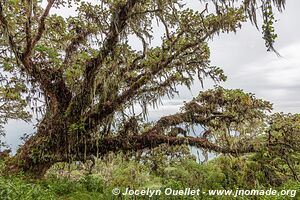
(83, 74)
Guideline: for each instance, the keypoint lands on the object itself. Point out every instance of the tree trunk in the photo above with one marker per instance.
(43, 149)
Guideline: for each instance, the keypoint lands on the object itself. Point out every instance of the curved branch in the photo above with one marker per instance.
(152, 140)
(51, 81)
(117, 25)
(10, 37)
(41, 26)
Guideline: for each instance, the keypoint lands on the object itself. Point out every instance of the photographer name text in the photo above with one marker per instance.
(157, 192)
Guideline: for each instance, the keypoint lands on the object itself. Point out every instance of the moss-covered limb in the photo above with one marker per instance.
(92, 66)
(51, 82)
(33, 40)
(218, 107)
(152, 140)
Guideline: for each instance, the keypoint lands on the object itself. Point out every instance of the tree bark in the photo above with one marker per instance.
(42, 150)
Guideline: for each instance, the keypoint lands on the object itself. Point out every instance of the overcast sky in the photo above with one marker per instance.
(247, 65)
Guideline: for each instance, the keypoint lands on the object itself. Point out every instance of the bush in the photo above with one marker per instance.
(15, 188)
(92, 183)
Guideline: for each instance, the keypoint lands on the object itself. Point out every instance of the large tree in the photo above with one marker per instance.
(84, 76)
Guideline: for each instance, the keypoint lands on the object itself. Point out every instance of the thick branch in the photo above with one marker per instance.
(28, 28)
(139, 142)
(118, 24)
(41, 26)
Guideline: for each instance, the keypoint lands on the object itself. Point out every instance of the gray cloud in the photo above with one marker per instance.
(273, 78)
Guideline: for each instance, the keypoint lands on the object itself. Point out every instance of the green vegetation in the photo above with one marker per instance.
(77, 181)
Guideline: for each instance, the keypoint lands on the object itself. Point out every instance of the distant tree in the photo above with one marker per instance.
(82, 75)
